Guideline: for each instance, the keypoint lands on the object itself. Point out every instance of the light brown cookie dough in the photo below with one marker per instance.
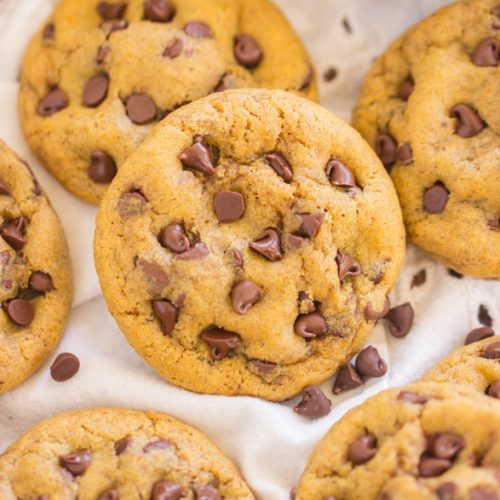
(420, 442)
(35, 273)
(99, 75)
(111, 454)
(430, 107)
(248, 245)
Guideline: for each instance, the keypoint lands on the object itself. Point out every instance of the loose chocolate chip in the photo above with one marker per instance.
(371, 315)
(20, 311)
(263, 367)
(478, 334)
(109, 494)
(96, 90)
(487, 53)
(4, 188)
(65, 366)
(167, 490)
(314, 403)
(102, 168)
(419, 278)
(483, 493)
(102, 52)
(400, 319)
(483, 316)
(385, 147)
(493, 389)
(404, 154)
(198, 29)
(433, 467)
(141, 108)
(446, 445)
(280, 165)
(55, 100)
(310, 224)
(48, 31)
(122, 444)
(206, 493)
(229, 206)
(311, 325)
(338, 174)
(247, 51)
(268, 244)
(469, 123)
(221, 341)
(197, 251)
(154, 272)
(436, 198)
(244, 295)
(198, 157)
(77, 462)
(330, 74)
(413, 397)
(13, 233)
(109, 10)
(347, 378)
(406, 89)
(370, 364)
(41, 282)
(362, 449)
(174, 238)
(348, 266)
(157, 444)
(446, 491)
(294, 241)
(174, 49)
(492, 351)
(167, 313)
(159, 11)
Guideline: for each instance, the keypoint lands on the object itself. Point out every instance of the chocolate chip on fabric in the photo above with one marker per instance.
(314, 403)
(493, 389)
(122, 444)
(102, 168)
(370, 364)
(102, 53)
(487, 53)
(432, 466)
(48, 31)
(347, 378)
(197, 251)
(96, 90)
(446, 445)
(268, 244)
(483, 316)
(330, 74)
(469, 123)
(310, 224)
(229, 206)
(174, 238)
(280, 165)
(20, 311)
(13, 233)
(174, 49)
(310, 325)
(419, 278)
(167, 490)
(206, 492)
(478, 334)
(198, 29)
(41, 282)
(158, 11)
(65, 366)
(385, 147)
(347, 265)
(372, 315)
(221, 341)
(244, 295)
(141, 109)
(198, 157)
(362, 449)
(483, 493)
(413, 397)
(446, 491)
(404, 154)
(4, 188)
(436, 198)
(167, 313)
(263, 367)
(157, 444)
(492, 351)
(55, 100)
(154, 272)
(406, 89)
(247, 51)
(338, 174)
(400, 319)
(109, 494)
(111, 10)
(76, 462)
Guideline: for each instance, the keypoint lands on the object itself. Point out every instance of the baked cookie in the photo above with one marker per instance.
(430, 108)
(35, 280)
(111, 454)
(424, 441)
(476, 365)
(248, 245)
(100, 74)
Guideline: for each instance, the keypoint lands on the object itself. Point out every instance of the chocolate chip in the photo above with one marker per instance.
(494, 223)
(226, 82)
(311, 325)
(229, 206)
(483, 493)
(206, 493)
(413, 397)
(13, 233)
(167, 490)
(102, 168)
(197, 251)
(347, 378)
(55, 100)
(96, 90)
(310, 224)
(48, 31)
(338, 174)
(306, 83)
(159, 11)
(111, 10)
(198, 157)
(280, 165)
(268, 244)
(493, 389)
(43, 497)
(65, 366)
(294, 241)
(154, 272)
(385, 147)
(433, 467)
(478, 334)
(492, 351)
(400, 319)
(263, 367)
(141, 108)
(347, 265)
(456, 275)
(157, 444)
(330, 74)
(77, 462)
(419, 278)
(174, 238)
(469, 123)
(41, 282)
(198, 29)
(112, 26)
(371, 315)
(370, 364)
(221, 341)
(446, 491)
(293, 493)
(487, 53)
(404, 154)
(406, 89)
(122, 444)
(446, 445)
(314, 403)
(20, 311)
(483, 316)
(109, 494)
(167, 313)
(362, 449)
(436, 198)
(102, 52)
(244, 295)
(174, 49)
(247, 51)
(4, 188)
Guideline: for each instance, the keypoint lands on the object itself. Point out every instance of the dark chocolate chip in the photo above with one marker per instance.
(314, 403)
(446, 445)
(433, 467)
(122, 444)
(263, 367)
(102, 53)
(493, 389)
(478, 334)
(157, 444)
(198, 29)
(492, 351)
(347, 265)
(167, 490)
(13, 233)
(4, 189)
(446, 491)
(244, 295)
(268, 244)
(487, 53)
(469, 123)
(65, 366)
(206, 492)
(456, 275)
(280, 165)
(41, 282)
(197, 251)
(111, 10)
(141, 108)
(247, 51)
(347, 378)
(413, 397)
(371, 315)
(338, 174)
(436, 198)
(400, 319)
(154, 272)
(362, 449)
(48, 32)
(55, 100)
(102, 168)
(310, 325)
(174, 238)
(198, 157)
(167, 313)
(483, 316)
(96, 90)
(385, 146)
(483, 493)
(310, 224)
(159, 11)
(404, 154)
(406, 89)
(370, 364)
(174, 49)
(109, 494)
(330, 74)
(229, 206)
(419, 278)
(221, 341)
(77, 462)
(20, 311)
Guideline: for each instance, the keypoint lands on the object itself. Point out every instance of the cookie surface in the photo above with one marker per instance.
(429, 106)
(425, 441)
(99, 75)
(35, 282)
(248, 245)
(117, 453)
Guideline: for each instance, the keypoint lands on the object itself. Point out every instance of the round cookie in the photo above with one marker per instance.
(99, 75)
(429, 106)
(35, 273)
(248, 245)
(108, 454)
(424, 441)
(476, 366)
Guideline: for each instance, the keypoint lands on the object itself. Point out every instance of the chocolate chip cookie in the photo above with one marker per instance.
(430, 108)
(100, 74)
(111, 454)
(35, 273)
(425, 441)
(248, 245)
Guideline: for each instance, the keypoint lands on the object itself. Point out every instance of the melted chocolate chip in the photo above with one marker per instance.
(492, 351)
(157, 444)
(446, 491)
(404, 154)
(198, 29)
(469, 123)
(198, 157)
(406, 89)
(20, 311)
(436, 198)
(347, 265)
(487, 53)
(347, 378)
(96, 90)
(280, 165)
(102, 52)
(158, 11)
(268, 244)
(167, 490)
(141, 109)
(314, 403)
(65, 366)
(413, 397)
(55, 100)
(263, 367)
(247, 51)
(206, 492)
(385, 147)
(111, 10)
(483, 493)
(174, 238)
(362, 449)
(338, 174)
(197, 251)
(478, 334)
(311, 325)
(221, 341)
(13, 233)
(41, 282)
(154, 272)
(433, 467)
(370, 364)
(400, 319)
(122, 444)
(371, 315)
(174, 49)
(310, 224)
(294, 241)
(77, 462)
(102, 168)
(244, 295)
(167, 313)
(446, 445)
(229, 206)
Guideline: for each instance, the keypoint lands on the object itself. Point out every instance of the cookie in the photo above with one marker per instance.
(425, 441)
(100, 74)
(108, 454)
(429, 107)
(35, 280)
(476, 366)
(247, 246)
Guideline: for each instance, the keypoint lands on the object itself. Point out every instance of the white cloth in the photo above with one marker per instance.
(268, 441)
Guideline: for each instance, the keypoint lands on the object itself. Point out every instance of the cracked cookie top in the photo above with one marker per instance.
(99, 75)
(247, 246)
